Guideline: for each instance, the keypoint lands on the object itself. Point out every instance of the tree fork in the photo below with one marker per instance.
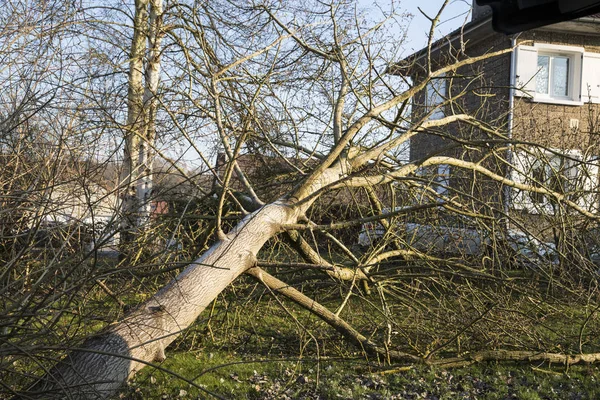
(329, 317)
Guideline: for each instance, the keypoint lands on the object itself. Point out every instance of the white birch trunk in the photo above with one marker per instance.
(135, 123)
(137, 177)
(144, 184)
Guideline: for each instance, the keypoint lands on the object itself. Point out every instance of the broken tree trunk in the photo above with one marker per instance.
(104, 362)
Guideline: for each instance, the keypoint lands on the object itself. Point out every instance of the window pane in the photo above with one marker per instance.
(443, 178)
(560, 76)
(541, 78)
(436, 90)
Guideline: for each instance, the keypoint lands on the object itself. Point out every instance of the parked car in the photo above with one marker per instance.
(456, 241)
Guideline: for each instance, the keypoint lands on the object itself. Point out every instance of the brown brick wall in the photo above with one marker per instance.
(486, 97)
(549, 124)
(480, 90)
(484, 92)
(588, 42)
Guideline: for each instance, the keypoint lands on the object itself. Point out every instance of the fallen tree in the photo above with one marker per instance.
(354, 149)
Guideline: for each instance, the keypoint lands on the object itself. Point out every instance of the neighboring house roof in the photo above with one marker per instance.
(467, 35)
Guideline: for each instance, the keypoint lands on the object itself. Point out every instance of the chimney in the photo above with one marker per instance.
(479, 12)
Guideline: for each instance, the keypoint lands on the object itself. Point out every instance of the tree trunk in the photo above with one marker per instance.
(137, 174)
(145, 182)
(104, 362)
(135, 123)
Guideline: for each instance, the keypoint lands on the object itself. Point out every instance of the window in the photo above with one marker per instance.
(436, 177)
(557, 74)
(566, 173)
(435, 95)
(556, 173)
(442, 179)
(551, 73)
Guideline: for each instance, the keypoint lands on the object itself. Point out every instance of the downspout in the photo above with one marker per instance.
(509, 151)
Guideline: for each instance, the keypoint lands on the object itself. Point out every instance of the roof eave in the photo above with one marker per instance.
(471, 33)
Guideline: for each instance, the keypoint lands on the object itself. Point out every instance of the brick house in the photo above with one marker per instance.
(546, 91)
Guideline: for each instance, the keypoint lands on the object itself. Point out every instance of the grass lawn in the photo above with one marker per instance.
(255, 349)
(234, 376)
(252, 345)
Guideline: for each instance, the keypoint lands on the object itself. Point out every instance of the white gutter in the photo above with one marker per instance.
(511, 105)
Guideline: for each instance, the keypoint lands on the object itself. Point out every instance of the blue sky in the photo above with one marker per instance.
(454, 15)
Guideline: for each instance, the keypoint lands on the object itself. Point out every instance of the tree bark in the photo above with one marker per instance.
(104, 362)
(515, 355)
(137, 173)
(145, 182)
(135, 123)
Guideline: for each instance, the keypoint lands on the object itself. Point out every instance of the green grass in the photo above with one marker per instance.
(232, 376)
(251, 345)
(256, 350)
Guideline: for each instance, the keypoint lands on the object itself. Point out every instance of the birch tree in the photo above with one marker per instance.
(140, 133)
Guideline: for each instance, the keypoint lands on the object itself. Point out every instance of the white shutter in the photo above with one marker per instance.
(522, 163)
(589, 178)
(590, 78)
(526, 70)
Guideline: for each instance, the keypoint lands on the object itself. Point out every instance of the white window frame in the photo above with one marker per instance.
(439, 180)
(551, 79)
(575, 170)
(442, 180)
(527, 71)
(435, 95)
